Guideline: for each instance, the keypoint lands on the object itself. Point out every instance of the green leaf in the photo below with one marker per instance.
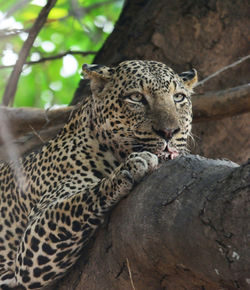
(57, 13)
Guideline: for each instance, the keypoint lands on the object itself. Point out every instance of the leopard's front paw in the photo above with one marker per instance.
(141, 163)
(136, 166)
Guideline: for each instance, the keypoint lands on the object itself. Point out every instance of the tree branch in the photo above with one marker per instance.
(20, 120)
(10, 90)
(53, 57)
(225, 103)
(177, 233)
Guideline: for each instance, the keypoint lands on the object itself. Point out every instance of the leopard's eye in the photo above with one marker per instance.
(179, 97)
(136, 98)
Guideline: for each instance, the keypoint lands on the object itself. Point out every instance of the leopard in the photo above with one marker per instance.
(52, 201)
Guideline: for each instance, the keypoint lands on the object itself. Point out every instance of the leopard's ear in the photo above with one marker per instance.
(99, 76)
(190, 78)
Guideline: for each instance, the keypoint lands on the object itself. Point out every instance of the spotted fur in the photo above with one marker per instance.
(53, 201)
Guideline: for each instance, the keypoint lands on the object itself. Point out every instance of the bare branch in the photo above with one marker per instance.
(11, 87)
(54, 57)
(222, 70)
(225, 103)
(28, 142)
(20, 119)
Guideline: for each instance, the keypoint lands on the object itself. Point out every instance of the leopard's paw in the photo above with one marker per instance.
(141, 163)
(136, 166)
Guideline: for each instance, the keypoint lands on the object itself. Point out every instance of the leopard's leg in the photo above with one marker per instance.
(54, 237)
(126, 175)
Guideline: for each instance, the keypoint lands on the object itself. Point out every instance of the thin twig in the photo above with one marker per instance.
(222, 70)
(37, 134)
(53, 57)
(130, 275)
(10, 90)
(46, 116)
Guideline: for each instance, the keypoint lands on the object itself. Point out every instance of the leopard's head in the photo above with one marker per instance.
(141, 105)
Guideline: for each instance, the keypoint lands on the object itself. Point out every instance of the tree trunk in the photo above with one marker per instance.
(174, 233)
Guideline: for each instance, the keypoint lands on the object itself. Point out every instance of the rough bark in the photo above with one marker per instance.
(221, 104)
(175, 233)
(23, 120)
(206, 35)
(26, 129)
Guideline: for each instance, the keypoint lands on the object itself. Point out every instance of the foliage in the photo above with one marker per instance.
(75, 25)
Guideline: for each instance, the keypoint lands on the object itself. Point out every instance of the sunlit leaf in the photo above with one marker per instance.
(29, 16)
(57, 13)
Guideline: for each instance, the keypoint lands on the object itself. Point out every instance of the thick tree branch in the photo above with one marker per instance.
(225, 103)
(11, 86)
(24, 120)
(29, 142)
(177, 233)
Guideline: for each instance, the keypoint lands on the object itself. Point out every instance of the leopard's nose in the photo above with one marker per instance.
(166, 133)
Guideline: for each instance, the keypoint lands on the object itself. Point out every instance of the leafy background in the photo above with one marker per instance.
(72, 25)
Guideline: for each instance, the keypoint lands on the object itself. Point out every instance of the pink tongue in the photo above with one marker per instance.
(173, 153)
